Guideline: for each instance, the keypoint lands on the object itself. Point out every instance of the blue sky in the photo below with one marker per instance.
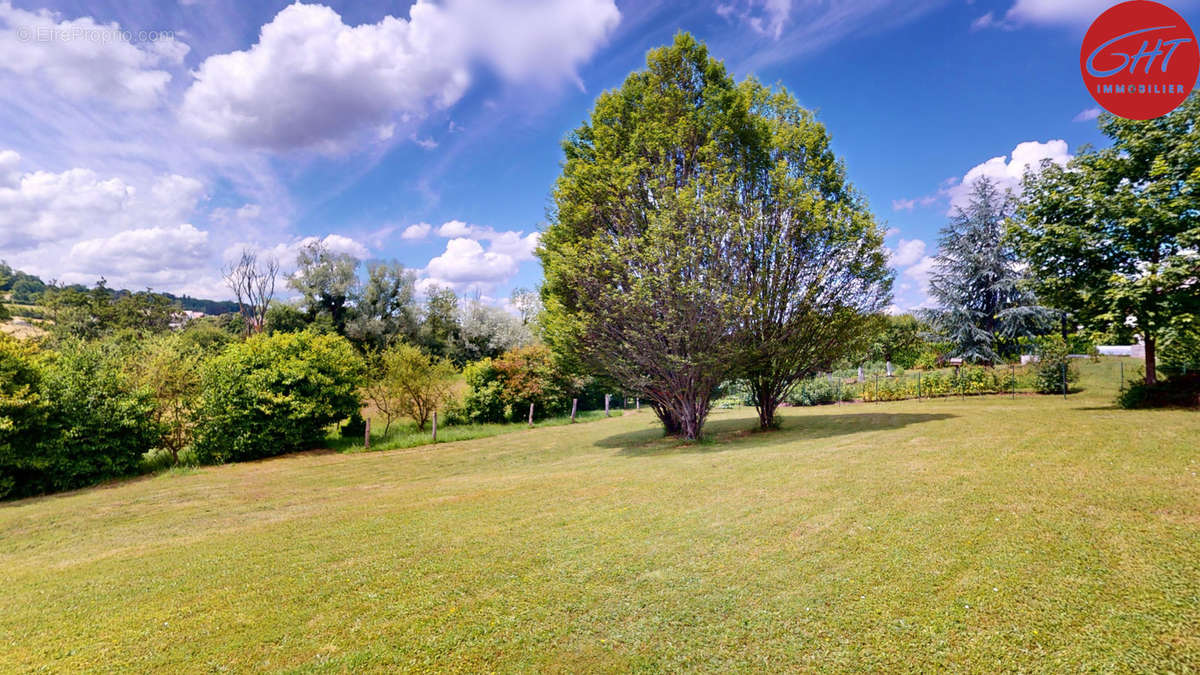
(150, 141)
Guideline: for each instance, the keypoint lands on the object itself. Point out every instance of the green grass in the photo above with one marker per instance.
(404, 434)
(983, 534)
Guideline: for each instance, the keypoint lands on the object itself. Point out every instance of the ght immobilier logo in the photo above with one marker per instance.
(1139, 60)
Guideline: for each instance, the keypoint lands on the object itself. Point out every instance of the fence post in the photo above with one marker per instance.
(1064, 380)
(607, 397)
(918, 386)
(531, 414)
(574, 407)
(1122, 376)
(637, 402)
(1014, 378)
(877, 387)
(367, 435)
(435, 426)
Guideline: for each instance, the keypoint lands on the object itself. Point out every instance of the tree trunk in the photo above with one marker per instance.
(766, 402)
(667, 417)
(1151, 361)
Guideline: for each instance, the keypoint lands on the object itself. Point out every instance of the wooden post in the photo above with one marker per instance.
(367, 436)
(574, 407)
(1014, 379)
(606, 399)
(530, 414)
(637, 403)
(435, 426)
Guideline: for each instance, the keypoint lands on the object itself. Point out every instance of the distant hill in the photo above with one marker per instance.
(25, 288)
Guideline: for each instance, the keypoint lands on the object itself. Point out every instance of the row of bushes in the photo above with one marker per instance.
(1046, 378)
(86, 411)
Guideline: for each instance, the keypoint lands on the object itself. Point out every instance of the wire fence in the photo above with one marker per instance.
(961, 381)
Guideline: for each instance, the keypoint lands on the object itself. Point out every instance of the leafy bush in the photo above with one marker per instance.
(484, 400)
(274, 394)
(1054, 362)
(1181, 391)
(501, 389)
(1179, 350)
(410, 383)
(92, 424)
(815, 391)
(168, 367)
(22, 415)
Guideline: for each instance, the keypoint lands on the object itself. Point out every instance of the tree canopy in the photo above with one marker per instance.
(978, 282)
(1114, 236)
(702, 229)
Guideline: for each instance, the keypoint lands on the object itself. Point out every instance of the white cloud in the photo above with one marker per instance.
(518, 246)
(81, 59)
(920, 270)
(539, 41)
(455, 228)
(1056, 12)
(42, 207)
(985, 21)
(903, 204)
(513, 243)
(135, 252)
(1007, 173)
(341, 244)
(1087, 115)
(466, 266)
(245, 214)
(907, 252)
(312, 80)
(766, 17)
(416, 232)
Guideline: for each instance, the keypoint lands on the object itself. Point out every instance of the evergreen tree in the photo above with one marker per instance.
(978, 282)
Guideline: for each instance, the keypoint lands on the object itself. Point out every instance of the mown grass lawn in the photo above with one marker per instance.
(988, 534)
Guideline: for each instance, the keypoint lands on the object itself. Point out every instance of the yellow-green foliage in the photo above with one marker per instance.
(274, 394)
(969, 381)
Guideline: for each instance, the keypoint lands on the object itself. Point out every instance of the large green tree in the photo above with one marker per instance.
(703, 230)
(328, 282)
(1114, 236)
(639, 284)
(386, 308)
(810, 256)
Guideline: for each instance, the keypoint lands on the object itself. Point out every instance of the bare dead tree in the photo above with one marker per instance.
(253, 287)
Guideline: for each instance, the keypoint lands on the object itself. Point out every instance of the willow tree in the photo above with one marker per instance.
(640, 285)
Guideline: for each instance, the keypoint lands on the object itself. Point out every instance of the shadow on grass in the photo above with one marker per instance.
(720, 435)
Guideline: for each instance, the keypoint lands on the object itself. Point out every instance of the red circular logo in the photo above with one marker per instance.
(1139, 60)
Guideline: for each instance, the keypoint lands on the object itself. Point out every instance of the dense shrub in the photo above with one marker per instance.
(1179, 351)
(820, 391)
(88, 422)
(22, 416)
(411, 383)
(274, 394)
(168, 367)
(501, 389)
(1053, 365)
(968, 380)
(1179, 391)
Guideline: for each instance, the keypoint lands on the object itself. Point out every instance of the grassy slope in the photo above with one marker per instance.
(981, 534)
